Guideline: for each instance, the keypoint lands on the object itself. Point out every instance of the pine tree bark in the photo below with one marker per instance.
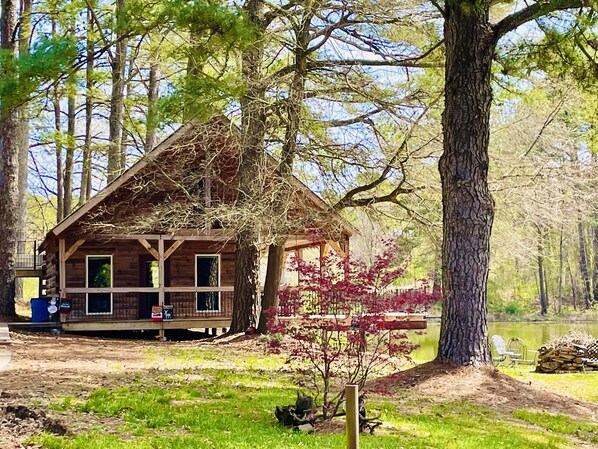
(468, 207)
(152, 102)
(59, 165)
(130, 73)
(89, 85)
(58, 145)
(69, 159)
(253, 129)
(583, 265)
(541, 280)
(115, 121)
(595, 268)
(9, 167)
(23, 138)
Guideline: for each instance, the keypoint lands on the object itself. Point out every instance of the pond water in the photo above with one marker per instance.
(533, 334)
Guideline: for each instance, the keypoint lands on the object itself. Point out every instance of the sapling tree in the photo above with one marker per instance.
(341, 322)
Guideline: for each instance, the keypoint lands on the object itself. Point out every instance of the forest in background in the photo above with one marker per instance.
(115, 78)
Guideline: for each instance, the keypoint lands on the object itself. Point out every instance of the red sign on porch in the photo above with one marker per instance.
(156, 313)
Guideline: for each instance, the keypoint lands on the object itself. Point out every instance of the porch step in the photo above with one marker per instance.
(4, 334)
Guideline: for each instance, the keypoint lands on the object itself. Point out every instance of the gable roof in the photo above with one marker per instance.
(170, 142)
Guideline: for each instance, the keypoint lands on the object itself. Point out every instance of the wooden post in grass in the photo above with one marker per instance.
(352, 409)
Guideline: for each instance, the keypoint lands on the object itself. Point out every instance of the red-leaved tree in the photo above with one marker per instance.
(346, 322)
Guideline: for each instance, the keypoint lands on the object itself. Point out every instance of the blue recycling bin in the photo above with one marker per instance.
(39, 310)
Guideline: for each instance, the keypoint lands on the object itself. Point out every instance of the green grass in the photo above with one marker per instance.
(223, 408)
(30, 290)
(558, 423)
(582, 386)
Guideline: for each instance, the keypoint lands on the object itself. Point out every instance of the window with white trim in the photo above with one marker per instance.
(207, 274)
(99, 275)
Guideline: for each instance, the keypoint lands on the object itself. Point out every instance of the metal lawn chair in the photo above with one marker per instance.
(502, 351)
(525, 356)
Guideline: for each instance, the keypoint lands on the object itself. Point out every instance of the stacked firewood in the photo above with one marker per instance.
(571, 352)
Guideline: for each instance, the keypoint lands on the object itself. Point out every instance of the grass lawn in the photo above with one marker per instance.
(224, 399)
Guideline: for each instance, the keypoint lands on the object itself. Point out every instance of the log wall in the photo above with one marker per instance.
(126, 255)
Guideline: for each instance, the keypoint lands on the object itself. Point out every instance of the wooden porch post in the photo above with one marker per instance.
(62, 265)
(161, 277)
(300, 256)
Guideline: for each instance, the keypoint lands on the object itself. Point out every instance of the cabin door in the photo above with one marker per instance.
(148, 277)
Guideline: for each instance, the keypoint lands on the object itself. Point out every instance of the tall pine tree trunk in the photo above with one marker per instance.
(9, 167)
(69, 159)
(115, 121)
(59, 165)
(152, 102)
(130, 72)
(58, 145)
(253, 129)
(468, 207)
(23, 139)
(89, 85)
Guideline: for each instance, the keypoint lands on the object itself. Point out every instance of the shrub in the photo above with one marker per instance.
(339, 330)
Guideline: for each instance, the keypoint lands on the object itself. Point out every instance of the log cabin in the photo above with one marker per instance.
(160, 235)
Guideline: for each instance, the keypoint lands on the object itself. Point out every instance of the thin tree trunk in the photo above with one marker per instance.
(115, 121)
(152, 102)
(560, 300)
(595, 268)
(516, 280)
(253, 129)
(130, 71)
(468, 207)
(573, 292)
(194, 70)
(583, 265)
(89, 85)
(70, 148)
(9, 167)
(541, 282)
(23, 139)
(58, 143)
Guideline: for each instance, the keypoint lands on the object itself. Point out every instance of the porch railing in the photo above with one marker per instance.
(28, 256)
(135, 303)
(309, 302)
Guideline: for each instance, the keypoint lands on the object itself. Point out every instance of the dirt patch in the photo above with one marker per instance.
(19, 422)
(485, 386)
(13, 319)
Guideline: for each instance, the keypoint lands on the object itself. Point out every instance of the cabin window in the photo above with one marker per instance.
(99, 275)
(207, 274)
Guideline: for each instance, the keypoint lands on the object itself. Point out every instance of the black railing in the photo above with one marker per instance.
(310, 302)
(28, 256)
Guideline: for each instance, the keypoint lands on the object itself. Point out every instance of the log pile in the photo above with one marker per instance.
(571, 352)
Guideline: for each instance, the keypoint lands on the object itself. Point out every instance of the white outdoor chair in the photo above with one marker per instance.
(502, 351)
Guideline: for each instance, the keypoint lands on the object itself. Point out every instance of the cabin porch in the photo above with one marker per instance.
(111, 282)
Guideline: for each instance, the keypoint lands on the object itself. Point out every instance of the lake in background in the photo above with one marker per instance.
(533, 334)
